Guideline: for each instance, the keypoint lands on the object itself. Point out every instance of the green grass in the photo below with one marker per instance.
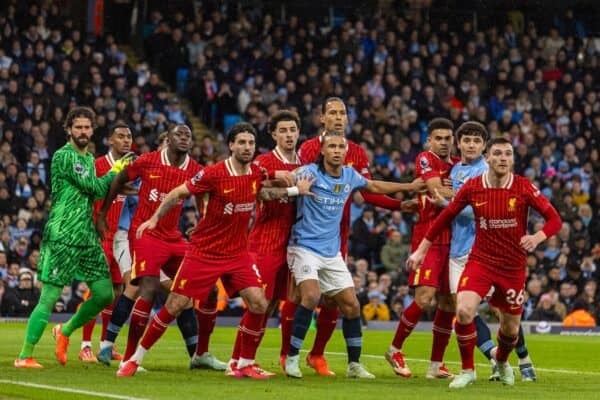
(567, 368)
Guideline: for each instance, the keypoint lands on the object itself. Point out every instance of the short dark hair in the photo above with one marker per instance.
(498, 140)
(472, 128)
(330, 100)
(439, 123)
(329, 134)
(238, 128)
(116, 126)
(80, 112)
(283, 115)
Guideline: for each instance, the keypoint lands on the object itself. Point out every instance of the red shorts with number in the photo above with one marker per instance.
(149, 255)
(509, 286)
(113, 265)
(434, 272)
(196, 277)
(275, 274)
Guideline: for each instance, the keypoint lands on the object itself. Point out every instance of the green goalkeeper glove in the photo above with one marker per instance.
(122, 162)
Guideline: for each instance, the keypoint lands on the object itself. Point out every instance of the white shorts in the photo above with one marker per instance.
(332, 273)
(121, 251)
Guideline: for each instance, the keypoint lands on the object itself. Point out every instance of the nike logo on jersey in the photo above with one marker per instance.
(479, 204)
(228, 190)
(152, 176)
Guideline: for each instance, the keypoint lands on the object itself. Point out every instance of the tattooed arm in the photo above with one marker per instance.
(302, 187)
(170, 201)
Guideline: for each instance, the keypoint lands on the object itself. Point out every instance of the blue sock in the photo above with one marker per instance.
(302, 320)
(188, 326)
(484, 337)
(123, 307)
(521, 347)
(353, 335)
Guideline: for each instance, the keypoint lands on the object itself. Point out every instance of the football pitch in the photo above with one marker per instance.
(567, 368)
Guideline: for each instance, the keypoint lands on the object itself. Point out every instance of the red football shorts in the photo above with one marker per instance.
(509, 286)
(196, 277)
(113, 265)
(275, 274)
(434, 271)
(149, 255)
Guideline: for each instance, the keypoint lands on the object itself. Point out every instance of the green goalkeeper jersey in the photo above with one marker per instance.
(75, 187)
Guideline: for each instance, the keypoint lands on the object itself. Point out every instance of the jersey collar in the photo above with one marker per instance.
(279, 155)
(486, 183)
(231, 170)
(164, 159)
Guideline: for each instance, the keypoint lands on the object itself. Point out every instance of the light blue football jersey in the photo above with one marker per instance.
(318, 217)
(463, 226)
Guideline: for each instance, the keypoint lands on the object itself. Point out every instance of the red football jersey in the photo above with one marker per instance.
(429, 165)
(226, 201)
(158, 178)
(103, 165)
(500, 219)
(273, 220)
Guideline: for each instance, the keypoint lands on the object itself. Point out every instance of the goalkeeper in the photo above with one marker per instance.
(70, 246)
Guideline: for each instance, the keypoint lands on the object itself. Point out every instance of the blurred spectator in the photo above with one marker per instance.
(545, 310)
(394, 253)
(19, 301)
(376, 309)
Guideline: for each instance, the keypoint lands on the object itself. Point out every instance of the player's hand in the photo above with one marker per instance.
(530, 242)
(101, 226)
(304, 184)
(418, 185)
(129, 189)
(286, 176)
(409, 206)
(122, 162)
(437, 198)
(149, 224)
(447, 182)
(415, 261)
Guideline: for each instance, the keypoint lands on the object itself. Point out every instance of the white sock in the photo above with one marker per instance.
(244, 362)
(139, 354)
(434, 365)
(85, 344)
(525, 360)
(105, 343)
(392, 349)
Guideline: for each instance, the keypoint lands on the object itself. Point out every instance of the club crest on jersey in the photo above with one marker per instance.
(512, 202)
(337, 188)
(424, 163)
(346, 188)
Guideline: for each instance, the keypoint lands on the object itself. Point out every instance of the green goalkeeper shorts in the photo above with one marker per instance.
(61, 263)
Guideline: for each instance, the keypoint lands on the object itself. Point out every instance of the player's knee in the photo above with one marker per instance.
(104, 297)
(350, 310)
(424, 299)
(464, 314)
(310, 299)
(258, 304)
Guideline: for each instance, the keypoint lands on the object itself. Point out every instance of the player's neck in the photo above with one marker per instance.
(288, 156)
(333, 170)
(497, 181)
(113, 155)
(175, 159)
(238, 167)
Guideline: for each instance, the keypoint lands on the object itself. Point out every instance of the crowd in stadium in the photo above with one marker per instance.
(538, 86)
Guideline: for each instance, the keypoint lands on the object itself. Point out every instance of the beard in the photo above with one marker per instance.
(81, 142)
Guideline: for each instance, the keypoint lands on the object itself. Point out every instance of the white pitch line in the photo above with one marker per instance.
(558, 371)
(70, 390)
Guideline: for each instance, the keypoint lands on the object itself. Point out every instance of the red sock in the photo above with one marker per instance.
(252, 333)
(106, 316)
(207, 318)
(442, 330)
(157, 327)
(326, 323)
(287, 322)
(137, 325)
(237, 345)
(87, 331)
(505, 346)
(466, 336)
(408, 321)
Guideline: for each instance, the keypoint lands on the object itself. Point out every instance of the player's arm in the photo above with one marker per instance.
(383, 187)
(551, 216)
(442, 202)
(441, 222)
(302, 187)
(117, 184)
(66, 164)
(179, 193)
(435, 183)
